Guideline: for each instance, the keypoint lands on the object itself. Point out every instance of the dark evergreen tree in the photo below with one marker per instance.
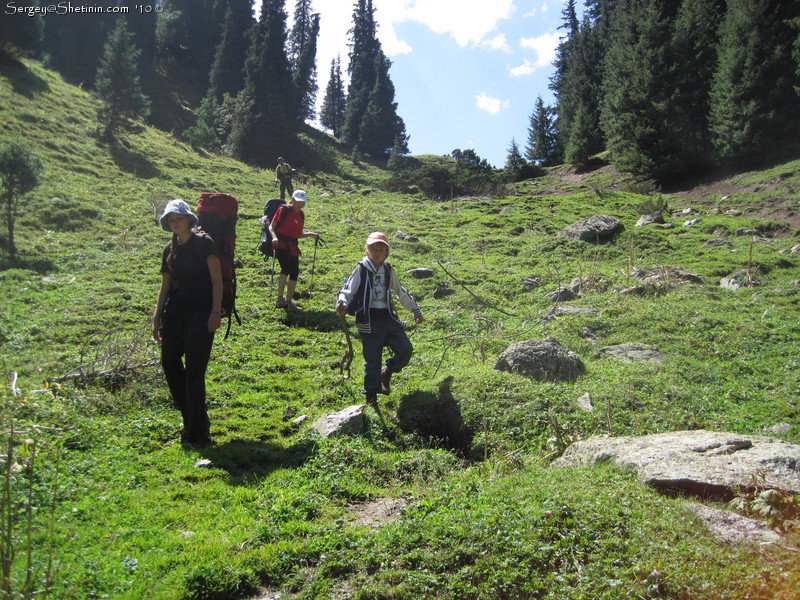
(542, 145)
(118, 85)
(333, 104)
(694, 52)
(190, 33)
(73, 42)
(381, 126)
(20, 173)
(754, 108)
(364, 47)
(579, 97)
(303, 58)
(514, 159)
(23, 33)
(638, 90)
(265, 122)
(227, 71)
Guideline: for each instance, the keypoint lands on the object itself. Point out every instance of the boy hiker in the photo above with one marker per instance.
(367, 294)
(283, 175)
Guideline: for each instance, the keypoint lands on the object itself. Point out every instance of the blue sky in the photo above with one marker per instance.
(466, 72)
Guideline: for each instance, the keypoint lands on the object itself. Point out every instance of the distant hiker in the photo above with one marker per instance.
(187, 314)
(366, 294)
(286, 228)
(283, 175)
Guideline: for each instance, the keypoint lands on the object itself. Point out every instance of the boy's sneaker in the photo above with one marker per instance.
(371, 399)
(386, 377)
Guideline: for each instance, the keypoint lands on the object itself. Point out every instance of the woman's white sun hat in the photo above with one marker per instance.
(180, 207)
(300, 195)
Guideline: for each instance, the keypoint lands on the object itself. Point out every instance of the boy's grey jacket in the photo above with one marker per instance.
(351, 287)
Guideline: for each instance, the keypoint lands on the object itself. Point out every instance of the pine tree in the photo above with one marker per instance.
(26, 33)
(333, 105)
(381, 126)
(542, 143)
(264, 121)
(73, 42)
(227, 71)
(638, 90)
(694, 55)
(579, 97)
(117, 84)
(303, 58)
(20, 172)
(514, 160)
(754, 108)
(364, 48)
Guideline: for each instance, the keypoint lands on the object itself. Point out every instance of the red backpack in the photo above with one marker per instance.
(217, 214)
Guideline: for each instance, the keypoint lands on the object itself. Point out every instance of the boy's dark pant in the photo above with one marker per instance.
(186, 335)
(385, 332)
(286, 185)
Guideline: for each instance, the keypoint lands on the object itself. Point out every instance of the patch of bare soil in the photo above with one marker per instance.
(378, 513)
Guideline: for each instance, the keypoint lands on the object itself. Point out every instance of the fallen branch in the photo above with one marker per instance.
(344, 364)
(471, 293)
(111, 373)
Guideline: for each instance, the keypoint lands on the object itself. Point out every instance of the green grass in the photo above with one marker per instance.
(134, 516)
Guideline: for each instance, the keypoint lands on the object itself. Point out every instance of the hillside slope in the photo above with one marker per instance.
(271, 508)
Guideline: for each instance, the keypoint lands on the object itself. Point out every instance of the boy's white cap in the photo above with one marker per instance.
(300, 195)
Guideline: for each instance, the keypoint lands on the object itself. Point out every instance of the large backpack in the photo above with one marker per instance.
(217, 214)
(270, 208)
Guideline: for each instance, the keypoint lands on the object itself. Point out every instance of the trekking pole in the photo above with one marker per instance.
(344, 364)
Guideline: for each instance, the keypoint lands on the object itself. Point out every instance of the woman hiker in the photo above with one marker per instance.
(286, 228)
(368, 293)
(187, 314)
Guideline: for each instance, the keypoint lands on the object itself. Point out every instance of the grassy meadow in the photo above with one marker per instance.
(101, 500)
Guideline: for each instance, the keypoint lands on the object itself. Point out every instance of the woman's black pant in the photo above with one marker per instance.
(185, 352)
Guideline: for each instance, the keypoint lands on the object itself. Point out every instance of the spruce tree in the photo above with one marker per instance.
(265, 118)
(381, 126)
(24, 33)
(333, 104)
(364, 47)
(117, 84)
(754, 108)
(694, 57)
(227, 71)
(303, 58)
(20, 172)
(515, 162)
(638, 89)
(542, 143)
(579, 96)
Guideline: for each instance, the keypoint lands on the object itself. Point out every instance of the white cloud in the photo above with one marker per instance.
(466, 21)
(498, 42)
(544, 46)
(525, 68)
(489, 104)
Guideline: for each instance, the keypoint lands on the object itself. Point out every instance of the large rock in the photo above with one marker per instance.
(599, 228)
(545, 360)
(697, 463)
(347, 421)
(632, 352)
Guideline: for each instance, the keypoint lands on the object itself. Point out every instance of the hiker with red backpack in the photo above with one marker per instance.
(286, 228)
(187, 313)
(367, 294)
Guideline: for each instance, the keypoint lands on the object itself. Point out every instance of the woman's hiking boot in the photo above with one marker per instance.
(386, 377)
(281, 303)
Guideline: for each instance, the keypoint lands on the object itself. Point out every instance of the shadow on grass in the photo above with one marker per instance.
(436, 417)
(133, 162)
(37, 264)
(24, 82)
(248, 461)
(321, 320)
